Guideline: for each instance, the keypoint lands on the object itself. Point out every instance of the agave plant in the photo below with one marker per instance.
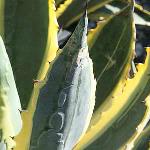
(74, 75)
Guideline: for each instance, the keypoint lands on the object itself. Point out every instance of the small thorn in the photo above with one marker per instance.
(136, 129)
(61, 27)
(142, 101)
(100, 19)
(23, 110)
(36, 81)
(86, 5)
(85, 8)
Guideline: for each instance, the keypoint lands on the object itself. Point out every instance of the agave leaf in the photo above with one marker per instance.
(111, 57)
(121, 54)
(141, 9)
(10, 118)
(62, 7)
(115, 108)
(139, 129)
(2, 18)
(128, 127)
(71, 11)
(66, 100)
(93, 34)
(100, 14)
(121, 130)
(52, 41)
(25, 38)
(142, 142)
(140, 15)
(49, 54)
(140, 21)
(107, 11)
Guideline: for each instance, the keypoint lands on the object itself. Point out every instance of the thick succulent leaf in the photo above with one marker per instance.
(117, 106)
(142, 142)
(66, 100)
(139, 129)
(49, 54)
(122, 134)
(140, 21)
(62, 7)
(10, 118)
(25, 38)
(110, 57)
(121, 130)
(107, 10)
(140, 16)
(111, 51)
(141, 9)
(52, 41)
(71, 11)
(2, 18)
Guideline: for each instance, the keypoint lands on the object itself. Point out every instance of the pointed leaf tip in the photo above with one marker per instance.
(69, 96)
(79, 36)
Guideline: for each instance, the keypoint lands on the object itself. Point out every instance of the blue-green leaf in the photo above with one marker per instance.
(66, 100)
(10, 119)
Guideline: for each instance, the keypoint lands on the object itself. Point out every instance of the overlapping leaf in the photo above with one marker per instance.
(135, 91)
(10, 118)
(124, 132)
(72, 10)
(121, 131)
(66, 100)
(47, 55)
(140, 127)
(111, 51)
(26, 29)
(142, 142)
(141, 17)
(111, 60)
